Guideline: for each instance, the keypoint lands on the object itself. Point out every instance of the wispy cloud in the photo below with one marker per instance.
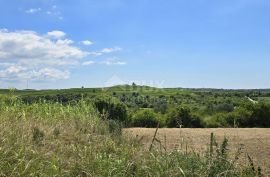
(106, 51)
(53, 11)
(108, 62)
(87, 42)
(95, 53)
(33, 10)
(113, 61)
(110, 50)
(86, 63)
(51, 73)
(22, 73)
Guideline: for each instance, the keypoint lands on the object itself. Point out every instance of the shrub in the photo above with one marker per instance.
(247, 115)
(115, 127)
(225, 107)
(183, 116)
(219, 120)
(37, 135)
(145, 118)
(112, 107)
(160, 106)
(259, 115)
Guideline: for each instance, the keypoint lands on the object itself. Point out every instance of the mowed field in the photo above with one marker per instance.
(253, 141)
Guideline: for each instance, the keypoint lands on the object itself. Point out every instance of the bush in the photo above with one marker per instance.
(183, 116)
(219, 120)
(259, 115)
(160, 106)
(38, 135)
(115, 127)
(225, 107)
(145, 118)
(112, 108)
(246, 115)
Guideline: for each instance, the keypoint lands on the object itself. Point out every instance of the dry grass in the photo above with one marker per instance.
(45, 139)
(254, 141)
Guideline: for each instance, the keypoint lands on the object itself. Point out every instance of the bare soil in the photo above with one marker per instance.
(253, 141)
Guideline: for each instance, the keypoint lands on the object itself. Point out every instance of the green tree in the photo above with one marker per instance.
(112, 108)
(145, 118)
(182, 116)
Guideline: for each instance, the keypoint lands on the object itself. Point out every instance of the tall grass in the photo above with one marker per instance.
(50, 139)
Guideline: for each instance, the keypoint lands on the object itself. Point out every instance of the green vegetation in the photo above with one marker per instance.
(54, 139)
(145, 118)
(111, 108)
(183, 116)
(146, 106)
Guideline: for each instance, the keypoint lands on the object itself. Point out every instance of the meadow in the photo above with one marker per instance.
(79, 132)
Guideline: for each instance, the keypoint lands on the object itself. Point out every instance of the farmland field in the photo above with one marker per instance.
(253, 141)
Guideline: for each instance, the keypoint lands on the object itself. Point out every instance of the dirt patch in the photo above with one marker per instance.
(254, 141)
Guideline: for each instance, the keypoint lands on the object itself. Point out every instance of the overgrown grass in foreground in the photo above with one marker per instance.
(54, 140)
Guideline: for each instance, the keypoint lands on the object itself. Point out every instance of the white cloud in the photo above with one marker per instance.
(19, 73)
(5, 64)
(87, 42)
(105, 51)
(109, 50)
(51, 73)
(86, 63)
(56, 34)
(3, 30)
(113, 61)
(95, 53)
(33, 10)
(15, 69)
(56, 63)
(53, 12)
(64, 42)
(28, 55)
(10, 72)
(29, 45)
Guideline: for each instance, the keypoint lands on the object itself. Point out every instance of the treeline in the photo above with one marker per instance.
(188, 110)
(247, 114)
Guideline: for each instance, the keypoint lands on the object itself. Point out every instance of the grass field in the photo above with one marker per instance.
(63, 133)
(252, 141)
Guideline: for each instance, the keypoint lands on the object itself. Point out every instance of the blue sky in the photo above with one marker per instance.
(172, 43)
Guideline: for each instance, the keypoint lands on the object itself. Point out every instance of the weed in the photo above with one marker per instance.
(56, 132)
(38, 135)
